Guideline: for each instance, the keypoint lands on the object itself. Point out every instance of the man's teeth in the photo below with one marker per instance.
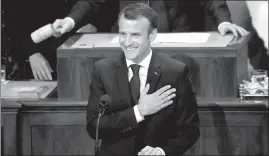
(130, 49)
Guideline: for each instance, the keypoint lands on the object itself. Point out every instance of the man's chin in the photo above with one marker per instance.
(129, 58)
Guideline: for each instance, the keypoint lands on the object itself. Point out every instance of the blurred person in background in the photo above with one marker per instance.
(29, 15)
(175, 15)
(258, 11)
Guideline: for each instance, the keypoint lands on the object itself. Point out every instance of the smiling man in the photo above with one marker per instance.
(154, 109)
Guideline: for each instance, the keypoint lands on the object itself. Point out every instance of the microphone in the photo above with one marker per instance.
(105, 100)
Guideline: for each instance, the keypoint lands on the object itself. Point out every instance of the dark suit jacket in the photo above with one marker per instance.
(174, 128)
(174, 15)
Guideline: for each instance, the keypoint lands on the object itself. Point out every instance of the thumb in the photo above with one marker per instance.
(57, 24)
(49, 66)
(67, 26)
(222, 31)
(145, 90)
(64, 28)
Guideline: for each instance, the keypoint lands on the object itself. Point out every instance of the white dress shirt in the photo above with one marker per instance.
(143, 73)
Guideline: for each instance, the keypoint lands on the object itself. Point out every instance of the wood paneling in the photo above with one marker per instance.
(55, 133)
(60, 140)
(231, 133)
(9, 127)
(75, 83)
(227, 128)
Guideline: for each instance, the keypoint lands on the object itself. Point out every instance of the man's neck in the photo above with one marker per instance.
(139, 60)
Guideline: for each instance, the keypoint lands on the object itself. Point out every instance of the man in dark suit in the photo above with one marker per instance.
(175, 16)
(28, 16)
(153, 109)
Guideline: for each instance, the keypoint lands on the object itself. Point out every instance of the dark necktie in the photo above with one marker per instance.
(135, 83)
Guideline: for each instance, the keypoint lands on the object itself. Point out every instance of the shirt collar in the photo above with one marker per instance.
(144, 63)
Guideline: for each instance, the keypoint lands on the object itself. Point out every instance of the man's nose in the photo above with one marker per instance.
(127, 41)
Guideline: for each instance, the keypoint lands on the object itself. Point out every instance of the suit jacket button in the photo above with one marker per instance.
(133, 137)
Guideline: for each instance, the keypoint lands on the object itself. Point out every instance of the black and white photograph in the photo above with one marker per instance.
(134, 77)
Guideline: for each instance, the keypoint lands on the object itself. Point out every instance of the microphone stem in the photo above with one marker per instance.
(97, 132)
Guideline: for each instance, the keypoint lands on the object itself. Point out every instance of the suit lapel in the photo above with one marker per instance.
(122, 78)
(154, 72)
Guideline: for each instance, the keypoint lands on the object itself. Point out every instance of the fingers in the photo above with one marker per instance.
(40, 67)
(56, 34)
(167, 94)
(161, 90)
(222, 32)
(165, 104)
(35, 74)
(245, 31)
(233, 30)
(168, 98)
(57, 28)
(62, 26)
(224, 28)
(156, 152)
(39, 74)
(242, 31)
(65, 28)
(149, 151)
(57, 24)
(46, 72)
(42, 72)
(146, 151)
(49, 66)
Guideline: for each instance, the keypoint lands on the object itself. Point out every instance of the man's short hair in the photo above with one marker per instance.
(138, 10)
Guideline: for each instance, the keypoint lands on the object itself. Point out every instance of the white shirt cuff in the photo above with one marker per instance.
(162, 151)
(71, 20)
(222, 23)
(138, 116)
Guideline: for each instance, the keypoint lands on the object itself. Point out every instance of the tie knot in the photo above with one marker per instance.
(135, 68)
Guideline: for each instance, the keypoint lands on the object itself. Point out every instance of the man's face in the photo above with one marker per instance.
(134, 38)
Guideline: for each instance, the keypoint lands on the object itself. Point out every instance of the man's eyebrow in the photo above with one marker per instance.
(137, 33)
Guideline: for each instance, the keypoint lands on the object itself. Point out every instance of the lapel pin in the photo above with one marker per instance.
(155, 73)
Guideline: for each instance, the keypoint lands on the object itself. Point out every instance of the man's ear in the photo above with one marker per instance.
(153, 35)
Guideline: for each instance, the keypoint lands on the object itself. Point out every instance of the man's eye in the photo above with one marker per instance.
(136, 35)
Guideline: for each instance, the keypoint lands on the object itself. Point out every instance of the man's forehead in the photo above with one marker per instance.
(139, 19)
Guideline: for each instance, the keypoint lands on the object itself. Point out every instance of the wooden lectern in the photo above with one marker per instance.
(216, 67)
